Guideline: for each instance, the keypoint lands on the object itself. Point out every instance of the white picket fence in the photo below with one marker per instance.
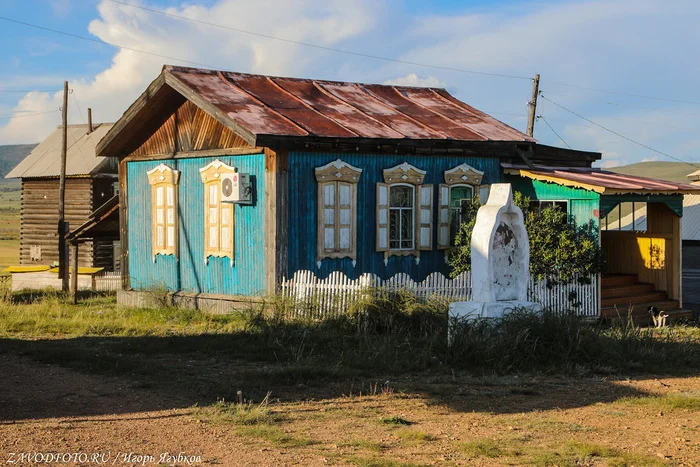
(107, 281)
(332, 296)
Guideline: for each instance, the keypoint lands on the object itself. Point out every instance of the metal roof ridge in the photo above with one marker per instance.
(243, 91)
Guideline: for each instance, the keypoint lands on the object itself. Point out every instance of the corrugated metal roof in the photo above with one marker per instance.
(602, 181)
(691, 217)
(45, 159)
(275, 106)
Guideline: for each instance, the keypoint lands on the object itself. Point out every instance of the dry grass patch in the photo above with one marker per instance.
(573, 453)
(274, 435)
(482, 448)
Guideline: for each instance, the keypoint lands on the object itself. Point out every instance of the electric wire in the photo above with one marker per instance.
(28, 115)
(387, 59)
(321, 47)
(100, 41)
(619, 134)
(541, 117)
(26, 92)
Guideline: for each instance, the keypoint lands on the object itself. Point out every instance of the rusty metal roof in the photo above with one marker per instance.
(273, 106)
(601, 181)
(45, 159)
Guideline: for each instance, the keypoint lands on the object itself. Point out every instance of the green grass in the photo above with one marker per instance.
(414, 436)
(364, 444)
(482, 448)
(668, 402)
(274, 435)
(378, 462)
(573, 453)
(50, 315)
(246, 413)
(396, 421)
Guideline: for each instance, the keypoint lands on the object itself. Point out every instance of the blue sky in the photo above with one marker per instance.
(625, 46)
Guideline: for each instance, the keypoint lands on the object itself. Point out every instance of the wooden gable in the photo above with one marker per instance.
(189, 129)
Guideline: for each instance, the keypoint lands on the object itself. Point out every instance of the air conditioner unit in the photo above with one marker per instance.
(236, 188)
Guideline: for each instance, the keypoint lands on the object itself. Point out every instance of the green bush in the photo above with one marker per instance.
(559, 249)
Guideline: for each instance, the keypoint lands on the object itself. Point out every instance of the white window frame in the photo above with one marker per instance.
(164, 210)
(405, 175)
(336, 221)
(215, 211)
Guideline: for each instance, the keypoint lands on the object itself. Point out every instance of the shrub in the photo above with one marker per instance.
(559, 249)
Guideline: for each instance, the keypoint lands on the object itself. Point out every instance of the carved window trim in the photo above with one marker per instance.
(459, 176)
(164, 210)
(402, 175)
(336, 230)
(219, 217)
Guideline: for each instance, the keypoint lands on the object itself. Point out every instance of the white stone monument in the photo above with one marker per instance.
(500, 254)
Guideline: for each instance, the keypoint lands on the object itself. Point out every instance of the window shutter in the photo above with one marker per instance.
(444, 217)
(425, 217)
(382, 217)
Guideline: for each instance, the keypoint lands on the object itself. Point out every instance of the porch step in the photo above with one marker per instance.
(618, 280)
(624, 302)
(627, 290)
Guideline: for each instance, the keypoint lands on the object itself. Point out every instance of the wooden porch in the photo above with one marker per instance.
(644, 268)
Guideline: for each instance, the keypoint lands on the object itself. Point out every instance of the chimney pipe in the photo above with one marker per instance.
(89, 120)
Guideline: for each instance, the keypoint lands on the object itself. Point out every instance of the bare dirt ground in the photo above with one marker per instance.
(417, 420)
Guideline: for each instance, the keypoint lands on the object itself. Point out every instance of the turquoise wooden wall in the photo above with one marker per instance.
(303, 205)
(583, 204)
(189, 272)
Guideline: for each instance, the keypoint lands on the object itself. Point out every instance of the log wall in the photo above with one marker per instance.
(39, 218)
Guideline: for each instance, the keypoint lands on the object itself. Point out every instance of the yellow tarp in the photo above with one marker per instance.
(88, 271)
(20, 269)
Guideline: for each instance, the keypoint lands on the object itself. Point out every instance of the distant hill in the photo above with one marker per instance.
(671, 171)
(10, 156)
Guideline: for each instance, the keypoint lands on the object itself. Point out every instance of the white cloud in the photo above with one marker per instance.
(111, 91)
(635, 46)
(413, 79)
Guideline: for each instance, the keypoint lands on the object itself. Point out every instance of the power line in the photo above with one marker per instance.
(33, 90)
(28, 115)
(618, 134)
(321, 47)
(621, 93)
(387, 59)
(617, 104)
(541, 117)
(100, 41)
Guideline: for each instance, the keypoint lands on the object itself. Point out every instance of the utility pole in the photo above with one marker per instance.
(62, 227)
(533, 105)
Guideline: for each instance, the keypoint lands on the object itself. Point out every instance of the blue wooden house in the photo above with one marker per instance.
(356, 178)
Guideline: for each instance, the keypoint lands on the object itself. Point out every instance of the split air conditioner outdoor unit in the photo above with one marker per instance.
(236, 188)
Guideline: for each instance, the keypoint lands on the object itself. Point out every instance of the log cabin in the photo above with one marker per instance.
(90, 182)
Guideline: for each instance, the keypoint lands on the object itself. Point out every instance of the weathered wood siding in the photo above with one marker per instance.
(189, 129)
(39, 218)
(303, 212)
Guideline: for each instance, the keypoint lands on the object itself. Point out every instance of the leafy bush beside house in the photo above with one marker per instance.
(560, 251)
